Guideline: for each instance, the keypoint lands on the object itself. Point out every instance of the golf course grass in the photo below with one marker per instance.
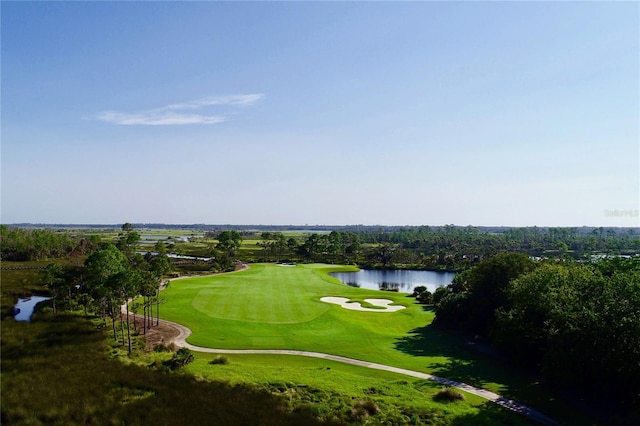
(273, 307)
(330, 387)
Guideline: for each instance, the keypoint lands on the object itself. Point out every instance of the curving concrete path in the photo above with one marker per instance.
(184, 333)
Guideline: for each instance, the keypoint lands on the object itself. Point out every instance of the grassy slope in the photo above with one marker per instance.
(335, 385)
(257, 309)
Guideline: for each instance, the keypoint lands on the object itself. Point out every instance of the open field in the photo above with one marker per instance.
(273, 307)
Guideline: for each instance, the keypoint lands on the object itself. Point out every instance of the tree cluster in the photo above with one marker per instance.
(37, 244)
(335, 247)
(112, 276)
(225, 252)
(578, 324)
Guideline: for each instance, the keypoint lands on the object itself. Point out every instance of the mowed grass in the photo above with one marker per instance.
(279, 307)
(272, 295)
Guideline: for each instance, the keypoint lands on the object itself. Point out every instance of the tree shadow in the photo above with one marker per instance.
(460, 363)
(489, 414)
(453, 357)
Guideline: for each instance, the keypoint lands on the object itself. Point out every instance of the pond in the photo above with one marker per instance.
(404, 280)
(179, 256)
(24, 308)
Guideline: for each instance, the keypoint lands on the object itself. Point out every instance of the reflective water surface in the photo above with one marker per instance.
(404, 281)
(24, 307)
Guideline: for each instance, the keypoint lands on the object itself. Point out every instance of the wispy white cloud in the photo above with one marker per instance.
(234, 100)
(157, 119)
(173, 115)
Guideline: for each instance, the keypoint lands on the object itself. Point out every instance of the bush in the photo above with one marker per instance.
(448, 394)
(220, 359)
(439, 294)
(180, 359)
(161, 348)
(363, 409)
(426, 298)
(418, 290)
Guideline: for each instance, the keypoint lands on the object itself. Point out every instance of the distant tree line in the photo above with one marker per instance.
(37, 244)
(252, 229)
(576, 324)
(471, 241)
(442, 248)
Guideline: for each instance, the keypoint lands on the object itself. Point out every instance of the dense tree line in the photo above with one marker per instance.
(37, 244)
(335, 247)
(471, 243)
(576, 324)
(442, 248)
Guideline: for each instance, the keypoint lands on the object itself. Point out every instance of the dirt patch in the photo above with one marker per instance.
(162, 333)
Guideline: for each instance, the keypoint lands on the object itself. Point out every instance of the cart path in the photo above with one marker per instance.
(184, 333)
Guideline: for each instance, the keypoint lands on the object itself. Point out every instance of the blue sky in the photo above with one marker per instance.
(466, 113)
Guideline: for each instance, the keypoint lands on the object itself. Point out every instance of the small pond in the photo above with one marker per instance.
(178, 256)
(25, 307)
(404, 280)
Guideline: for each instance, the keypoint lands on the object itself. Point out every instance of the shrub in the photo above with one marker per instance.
(220, 359)
(161, 348)
(180, 359)
(363, 409)
(418, 290)
(448, 394)
(426, 298)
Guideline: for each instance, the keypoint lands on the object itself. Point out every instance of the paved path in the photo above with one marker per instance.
(184, 333)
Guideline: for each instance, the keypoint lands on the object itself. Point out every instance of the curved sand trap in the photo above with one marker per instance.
(356, 306)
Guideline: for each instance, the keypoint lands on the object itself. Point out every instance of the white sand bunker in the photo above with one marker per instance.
(356, 306)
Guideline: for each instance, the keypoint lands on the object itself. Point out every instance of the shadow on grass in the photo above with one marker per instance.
(461, 362)
(449, 356)
(489, 415)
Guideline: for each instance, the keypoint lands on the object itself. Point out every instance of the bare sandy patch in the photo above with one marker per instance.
(356, 306)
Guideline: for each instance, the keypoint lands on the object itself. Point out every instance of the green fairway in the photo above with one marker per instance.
(279, 307)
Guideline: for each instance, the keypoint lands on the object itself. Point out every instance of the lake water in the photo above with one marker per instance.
(404, 281)
(26, 307)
